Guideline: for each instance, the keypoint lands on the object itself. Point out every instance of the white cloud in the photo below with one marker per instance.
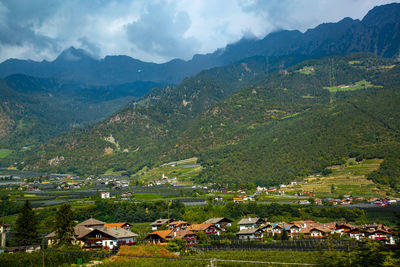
(155, 30)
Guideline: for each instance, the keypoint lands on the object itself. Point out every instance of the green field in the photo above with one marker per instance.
(4, 152)
(351, 87)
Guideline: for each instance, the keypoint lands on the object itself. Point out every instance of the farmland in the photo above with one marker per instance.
(347, 179)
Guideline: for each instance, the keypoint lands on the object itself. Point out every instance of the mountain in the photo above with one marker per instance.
(33, 110)
(245, 124)
(377, 32)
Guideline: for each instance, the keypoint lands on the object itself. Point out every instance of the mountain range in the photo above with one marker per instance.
(377, 32)
(264, 111)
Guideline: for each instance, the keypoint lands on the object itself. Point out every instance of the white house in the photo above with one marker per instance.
(249, 223)
(105, 195)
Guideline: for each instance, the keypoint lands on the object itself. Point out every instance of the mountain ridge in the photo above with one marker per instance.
(377, 32)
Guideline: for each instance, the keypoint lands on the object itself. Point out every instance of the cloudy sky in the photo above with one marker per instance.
(153, 30)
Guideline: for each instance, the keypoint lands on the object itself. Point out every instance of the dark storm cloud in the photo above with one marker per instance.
(161, 30)
(155, 30)
(18, 20)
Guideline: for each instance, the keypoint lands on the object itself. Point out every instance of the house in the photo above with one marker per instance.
(164, 236)
(123, 225)
(248, 223)
(267, 229)
(304, 202)
(107, 238)
(93, 234)
(317, 201)
(250, 234)
(356, 233)
(189, 236)
(158, 223)
(158, 237)
(319, 232)
(178, 225)
(294, 230)
(304, 223)
(379, 232)
(105, 195)
(346, 201)
(222, 223)
(343, 228)
(207, 228)
(278, 228)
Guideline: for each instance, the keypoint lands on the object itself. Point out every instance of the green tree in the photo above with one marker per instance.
(64, 225)
(27, 226)
(284, 235)
(332, 188)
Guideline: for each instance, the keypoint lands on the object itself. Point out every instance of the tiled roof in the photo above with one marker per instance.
(199, 227)
(178, 223)
(217, 220)
(164, 234)
(91, 222)
(81, 231)
(324, 230)
(248, 231)
(118, 232)
(160, 222)
(183, 233)
(249, 221)
(113, 225)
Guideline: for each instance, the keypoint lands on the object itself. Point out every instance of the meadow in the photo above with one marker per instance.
(351, 87)
(4, 152)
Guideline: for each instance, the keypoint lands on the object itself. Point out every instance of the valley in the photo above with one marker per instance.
(279, 149)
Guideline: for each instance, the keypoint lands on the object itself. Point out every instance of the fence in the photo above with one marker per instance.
(293, 245)
(212, 262)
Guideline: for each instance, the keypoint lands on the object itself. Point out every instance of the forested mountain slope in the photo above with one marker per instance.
(280, 126)
(33, 110)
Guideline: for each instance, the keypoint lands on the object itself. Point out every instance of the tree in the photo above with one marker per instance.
(26, 226)
(284, 235)
(332, 188)
(64, 225)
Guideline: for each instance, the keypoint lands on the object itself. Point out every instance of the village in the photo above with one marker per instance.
(93, 234)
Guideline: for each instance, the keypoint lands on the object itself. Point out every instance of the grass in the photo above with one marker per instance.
(347, 179)
(4, 152)
(351, 87)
